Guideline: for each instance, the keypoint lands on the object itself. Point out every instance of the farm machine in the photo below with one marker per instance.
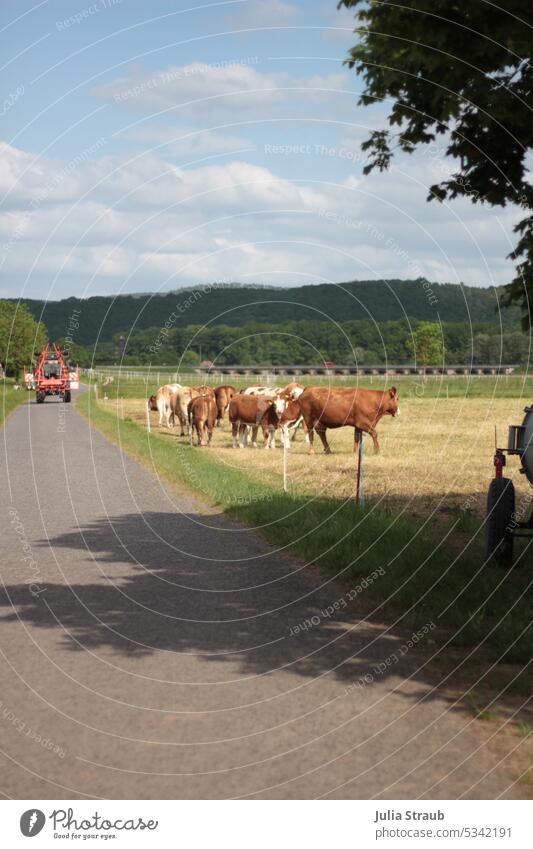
(52, 375)
(506, 519)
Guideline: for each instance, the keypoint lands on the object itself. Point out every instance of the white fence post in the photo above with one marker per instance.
(148, 417)
(285, 458)
(360, 493)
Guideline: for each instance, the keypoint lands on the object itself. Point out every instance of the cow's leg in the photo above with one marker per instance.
(311, 435)
(243, 431)
(234, 434)
(254, 436)
(373, 433)
(271, 439)
(322, 434)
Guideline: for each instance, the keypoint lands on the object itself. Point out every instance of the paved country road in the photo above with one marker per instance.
(147, 650)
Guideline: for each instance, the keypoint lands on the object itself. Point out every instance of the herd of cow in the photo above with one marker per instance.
(314, 408)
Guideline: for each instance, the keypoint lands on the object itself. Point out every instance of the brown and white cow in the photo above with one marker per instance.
(223, 396)
(292, 390)
(163, 400)
(290, 420)
(259, 390)
(205, 390)
(180, 402)
(202, 414)
(327, 407)
(255, 411)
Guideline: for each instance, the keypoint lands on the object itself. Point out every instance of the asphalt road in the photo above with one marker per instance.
(146, 650)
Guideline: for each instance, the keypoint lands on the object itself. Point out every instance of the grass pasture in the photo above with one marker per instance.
(422, 522)
(435, 460)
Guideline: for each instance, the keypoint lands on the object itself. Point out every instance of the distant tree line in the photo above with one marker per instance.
(312, 342)
(378, 300)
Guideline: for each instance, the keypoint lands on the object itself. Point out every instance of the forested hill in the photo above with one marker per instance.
(386, 300)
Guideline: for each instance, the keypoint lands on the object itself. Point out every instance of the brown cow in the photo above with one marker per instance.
(324, 407)
(223, 396)
(202, 413)
(253, 411)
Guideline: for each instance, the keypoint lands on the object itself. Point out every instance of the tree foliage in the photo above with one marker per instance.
(20, 336)
(461, 71)
(312, 342)
(426, 344)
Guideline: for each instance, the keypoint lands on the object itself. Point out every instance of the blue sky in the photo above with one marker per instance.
(151, 146)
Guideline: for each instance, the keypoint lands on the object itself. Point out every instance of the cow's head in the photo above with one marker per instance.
(392, 406)
(152, 402)
(279, 405)
(296, 391)
(291, 414)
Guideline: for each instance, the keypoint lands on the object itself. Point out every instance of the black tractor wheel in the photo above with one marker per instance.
(40, 397)
(66, 396)
(499, 523)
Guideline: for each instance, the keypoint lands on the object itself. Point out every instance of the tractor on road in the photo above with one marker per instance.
(52, 375)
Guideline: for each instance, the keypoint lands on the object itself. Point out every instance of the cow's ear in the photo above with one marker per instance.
(393, 392)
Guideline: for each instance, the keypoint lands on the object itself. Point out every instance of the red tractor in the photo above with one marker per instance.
(52, 374)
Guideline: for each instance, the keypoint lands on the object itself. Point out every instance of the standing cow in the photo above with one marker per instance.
(180, 402)
(255, 411)
(291, 419)
(163, 400)
(325, 407)
(205, 390)
(202, 414)
(223, 396)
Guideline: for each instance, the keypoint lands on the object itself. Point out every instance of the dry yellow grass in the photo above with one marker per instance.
(436, 456)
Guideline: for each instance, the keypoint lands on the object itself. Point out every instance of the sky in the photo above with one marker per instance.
(147, 147)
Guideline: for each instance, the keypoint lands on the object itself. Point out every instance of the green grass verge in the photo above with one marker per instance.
(423, 582)
(10, 399)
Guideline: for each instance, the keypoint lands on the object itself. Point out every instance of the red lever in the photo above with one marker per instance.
(499, 462)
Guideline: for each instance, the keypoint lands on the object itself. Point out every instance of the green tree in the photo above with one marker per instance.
(426, 344)
(461, 71)
(20, 337)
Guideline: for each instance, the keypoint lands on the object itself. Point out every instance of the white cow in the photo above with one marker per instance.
(163, 400)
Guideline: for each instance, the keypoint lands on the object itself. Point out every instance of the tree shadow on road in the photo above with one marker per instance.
(143, 590)
(201, 584)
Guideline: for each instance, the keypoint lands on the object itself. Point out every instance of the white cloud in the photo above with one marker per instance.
(227, 91)
(187, 142)
(145, 222)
